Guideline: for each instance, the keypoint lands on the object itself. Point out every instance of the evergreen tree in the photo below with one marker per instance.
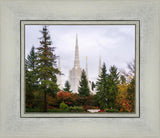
(131, 93)
(31, 59)
(102, 88)
(67, 87)
(83, 88)
(113, 81)
(93, 85)
(46, 66)
(30, 78)
(122, 79)
(30, 64)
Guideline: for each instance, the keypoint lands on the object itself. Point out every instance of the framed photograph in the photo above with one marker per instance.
(87, 45)
(102, 86)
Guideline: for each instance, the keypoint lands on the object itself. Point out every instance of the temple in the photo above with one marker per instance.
(75, 72)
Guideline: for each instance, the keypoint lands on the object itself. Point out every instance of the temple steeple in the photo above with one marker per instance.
(76, 60)
(100, 66)
(75, 72)
(86, 67)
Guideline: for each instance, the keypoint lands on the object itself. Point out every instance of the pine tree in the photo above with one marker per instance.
(83, 88)
(31, 59)
(93, 85)
(46, 66)
(113, 81)
(102, 88)
(67, 87)
(122, 79)
(30, 64)
(30, 77)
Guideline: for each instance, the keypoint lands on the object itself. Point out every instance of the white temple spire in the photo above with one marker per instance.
(76, 60)
(86, 67)
(100, 66)
(75, 72)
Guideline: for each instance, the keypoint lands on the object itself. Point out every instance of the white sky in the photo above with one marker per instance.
(114, 43)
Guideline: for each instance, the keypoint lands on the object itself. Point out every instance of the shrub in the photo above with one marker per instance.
(112, 110)
(33, 110)
(64, 106)
(89, 107)
(56, 110)
(76, 109)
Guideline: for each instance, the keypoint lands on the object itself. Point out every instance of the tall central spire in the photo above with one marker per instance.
(100, 66)
(86, 67)
(76, 60)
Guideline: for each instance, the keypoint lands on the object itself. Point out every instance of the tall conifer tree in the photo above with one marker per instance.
(67, 87)
(102, 88)
(113, 81)
(46, 65)
(30, 77)
(83, 85)
(31, 59)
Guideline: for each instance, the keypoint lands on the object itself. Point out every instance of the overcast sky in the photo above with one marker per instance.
(115, 44)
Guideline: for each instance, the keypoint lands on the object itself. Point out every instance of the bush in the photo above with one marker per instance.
(56, 110)
(89, 107)
(76, 109)
(112, 110)
(33, 110)
(64, 107)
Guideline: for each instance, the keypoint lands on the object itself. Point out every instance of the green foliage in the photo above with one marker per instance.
(57, 110)
(76, 109)
(48, 110)
(93, 85)
(33, 110)
(122, 79)
(31, 59)
(113, 82)
(102, 89)
(112, 110)
(46, 66)
(83, 88)
(64, 106)
(30, 72)
(29, 97)
(30, 78)
(67, 87)
(107, 87)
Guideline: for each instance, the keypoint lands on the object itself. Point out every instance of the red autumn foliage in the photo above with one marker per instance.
(102, 110)
(125, 106)
(68, 98)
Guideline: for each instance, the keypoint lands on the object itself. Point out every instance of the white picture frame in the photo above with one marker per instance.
(12, 125)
